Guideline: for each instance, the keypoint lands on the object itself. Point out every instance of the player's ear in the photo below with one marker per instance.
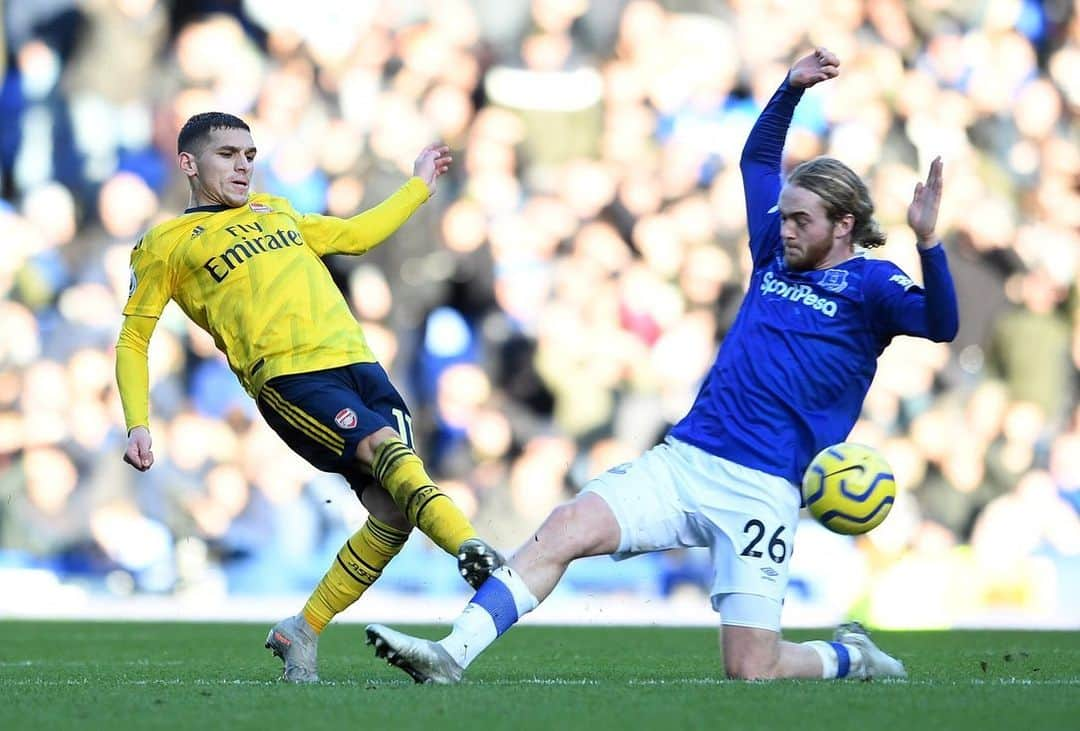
(844, 225)
(186, 161)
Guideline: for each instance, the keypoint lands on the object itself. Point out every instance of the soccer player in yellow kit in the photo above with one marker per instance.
(247, 269)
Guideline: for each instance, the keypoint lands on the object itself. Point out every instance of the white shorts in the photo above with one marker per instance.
(676, 496)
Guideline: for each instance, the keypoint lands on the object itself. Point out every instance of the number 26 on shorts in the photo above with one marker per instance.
(755, 530)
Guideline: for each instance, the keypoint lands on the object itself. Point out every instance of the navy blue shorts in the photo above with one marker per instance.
(323, 415)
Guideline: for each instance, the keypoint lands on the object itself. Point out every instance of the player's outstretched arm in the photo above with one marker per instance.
(931, 312)
(942, 310)
(366, 230)
(133, 382)
(760, 163)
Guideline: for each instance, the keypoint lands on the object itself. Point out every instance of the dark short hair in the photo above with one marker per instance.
(198, 128)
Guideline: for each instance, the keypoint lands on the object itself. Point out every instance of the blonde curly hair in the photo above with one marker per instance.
(843, 192)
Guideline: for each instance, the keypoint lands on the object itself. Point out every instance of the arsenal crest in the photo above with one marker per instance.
(346, 418)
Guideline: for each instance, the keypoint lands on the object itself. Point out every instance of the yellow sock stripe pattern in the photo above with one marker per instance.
(419, 500)
(357, 566)
(387, 535)
(360, 570)
(304, 422)
(387, 456)
(402, 474)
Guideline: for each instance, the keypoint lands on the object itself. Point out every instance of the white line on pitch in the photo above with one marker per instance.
(42, 682)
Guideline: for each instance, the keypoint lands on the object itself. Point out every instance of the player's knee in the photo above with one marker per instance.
(560, 534)
(560, 521)
(365, 450)
(750, 653)
(578, 530)
(750, 666)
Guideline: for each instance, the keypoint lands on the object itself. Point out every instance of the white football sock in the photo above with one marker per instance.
(497, 605)
(838, 660)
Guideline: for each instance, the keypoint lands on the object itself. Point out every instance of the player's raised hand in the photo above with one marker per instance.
(433, 161)
(138, 453)
(814, 68)
(923, 212)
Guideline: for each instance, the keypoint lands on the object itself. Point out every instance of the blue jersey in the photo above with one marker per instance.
(794, 369)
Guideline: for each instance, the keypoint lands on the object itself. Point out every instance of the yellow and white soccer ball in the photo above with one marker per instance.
(849, 488)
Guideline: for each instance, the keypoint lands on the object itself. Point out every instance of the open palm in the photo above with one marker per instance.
(923, 212)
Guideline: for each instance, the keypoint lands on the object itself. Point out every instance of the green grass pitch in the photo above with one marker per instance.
(88, 675)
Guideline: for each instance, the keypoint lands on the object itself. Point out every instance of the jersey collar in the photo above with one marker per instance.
(208, 209)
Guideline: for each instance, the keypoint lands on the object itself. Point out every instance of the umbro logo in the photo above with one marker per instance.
(769, 573)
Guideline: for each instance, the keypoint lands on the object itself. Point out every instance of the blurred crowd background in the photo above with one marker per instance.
(553, 309)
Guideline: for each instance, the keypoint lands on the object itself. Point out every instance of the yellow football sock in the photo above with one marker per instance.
(358, 564)
(402, 474)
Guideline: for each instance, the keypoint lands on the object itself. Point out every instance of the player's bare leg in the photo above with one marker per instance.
(583, 527)
(751, 653)
(759, 654)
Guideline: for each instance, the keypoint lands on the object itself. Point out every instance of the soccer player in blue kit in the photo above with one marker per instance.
(789, 380)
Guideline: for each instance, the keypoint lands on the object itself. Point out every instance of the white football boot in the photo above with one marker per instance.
(875, 663)
(295, 642)
(425, 661)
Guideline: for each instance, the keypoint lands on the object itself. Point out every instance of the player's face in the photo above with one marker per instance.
(811, 240)
(223, 168)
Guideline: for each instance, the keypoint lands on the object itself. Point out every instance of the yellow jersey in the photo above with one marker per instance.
(252, 277)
